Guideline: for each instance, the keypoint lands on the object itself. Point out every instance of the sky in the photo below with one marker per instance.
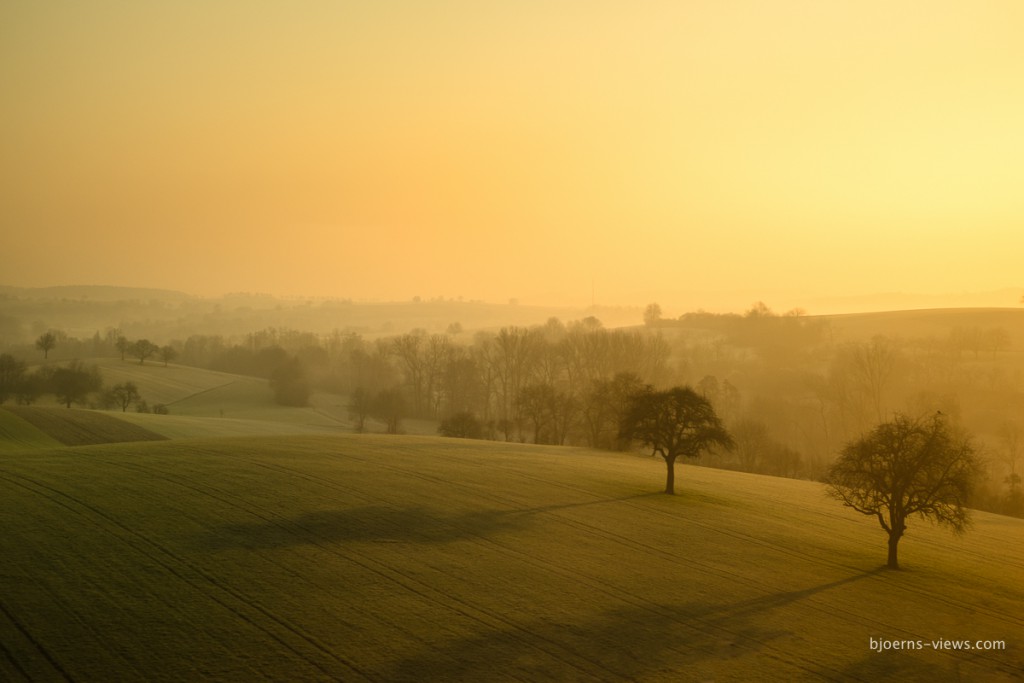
(556, 151)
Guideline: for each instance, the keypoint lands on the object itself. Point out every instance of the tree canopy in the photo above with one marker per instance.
(675, 422)
(907, 467)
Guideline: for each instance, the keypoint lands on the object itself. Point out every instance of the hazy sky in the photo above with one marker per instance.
(530, 149)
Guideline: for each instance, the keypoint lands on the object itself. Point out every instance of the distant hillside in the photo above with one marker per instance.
(16, 433)
(937, 322)
(81, 427)
(162, 316)
(99, 293)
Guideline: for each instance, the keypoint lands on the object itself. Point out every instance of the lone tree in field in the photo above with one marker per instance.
(143, 349)
(675, 422)
(124, 395)
(123, 345)
(46, 342)
(167, 354)
(907, 467)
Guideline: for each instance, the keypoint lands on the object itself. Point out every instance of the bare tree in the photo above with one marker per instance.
(123, 345)
(46, 342)
(652, 315)
(903, 468)
(360, 405)
(389, 408)
(167, 354)
(125, 394)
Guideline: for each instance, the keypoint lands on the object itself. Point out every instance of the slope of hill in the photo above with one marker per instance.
(17, 433)
(82, 427)
(924, 323)
(415, 559)
(172, 383)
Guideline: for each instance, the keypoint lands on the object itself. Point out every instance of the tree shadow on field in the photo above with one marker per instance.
(904, 666)
(691, 641)
(377, 523)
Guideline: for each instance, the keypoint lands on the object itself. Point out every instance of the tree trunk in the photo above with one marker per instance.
(670, 480)
(893, 541)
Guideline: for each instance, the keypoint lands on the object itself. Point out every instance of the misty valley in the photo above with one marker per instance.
(293, 489)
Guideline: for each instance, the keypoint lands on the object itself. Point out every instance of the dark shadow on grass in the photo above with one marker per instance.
(905, 666)
(380, 524)
(693, 641)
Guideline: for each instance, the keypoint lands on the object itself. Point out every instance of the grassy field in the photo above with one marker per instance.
(17, 434)
(80, 427)
(364, 557)
(163, 384)
(240, 405)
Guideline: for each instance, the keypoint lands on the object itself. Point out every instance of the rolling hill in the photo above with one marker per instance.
(365, 557)
(77, 427)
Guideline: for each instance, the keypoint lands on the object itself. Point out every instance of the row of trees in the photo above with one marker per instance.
(143, 349)
(72, 384)
(790, 389)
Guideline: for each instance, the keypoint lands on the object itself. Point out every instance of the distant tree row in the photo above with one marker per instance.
(71, 384)
(790, 388)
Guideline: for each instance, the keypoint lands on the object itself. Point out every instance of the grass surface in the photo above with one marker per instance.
(18, 434)
(416, 559)
(81, 427)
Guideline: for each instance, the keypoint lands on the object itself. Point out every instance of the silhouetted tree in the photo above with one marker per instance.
(604, 407)
(122, 345)
(652, 315)
(907, 467)
(360, 406)
(124, 395)
(461, 425)
(143, 349)
(73, 383)
(167, 354)
(31, 386)
(389, 407)
(12, 371)
(46, 342)
(675, 422)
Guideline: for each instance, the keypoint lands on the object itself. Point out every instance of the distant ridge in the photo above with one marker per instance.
(96, 293)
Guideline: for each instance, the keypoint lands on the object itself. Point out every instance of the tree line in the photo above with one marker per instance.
(790, 389)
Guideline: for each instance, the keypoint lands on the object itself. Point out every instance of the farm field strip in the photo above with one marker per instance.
(405, 558)
(621, 540)
(183, 570)
(291, 527)
(440, 600)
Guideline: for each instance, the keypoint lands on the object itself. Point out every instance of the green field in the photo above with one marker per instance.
(17, 434)
(366, 557)
(206, 403)
(81, 427)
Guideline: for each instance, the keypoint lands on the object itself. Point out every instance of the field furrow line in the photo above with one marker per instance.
(608, 589)
(142, 542)
(27, 634)
(854, 617)
(243, 504)
(428, 592)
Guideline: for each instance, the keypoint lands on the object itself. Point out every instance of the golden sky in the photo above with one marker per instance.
(542, 150)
